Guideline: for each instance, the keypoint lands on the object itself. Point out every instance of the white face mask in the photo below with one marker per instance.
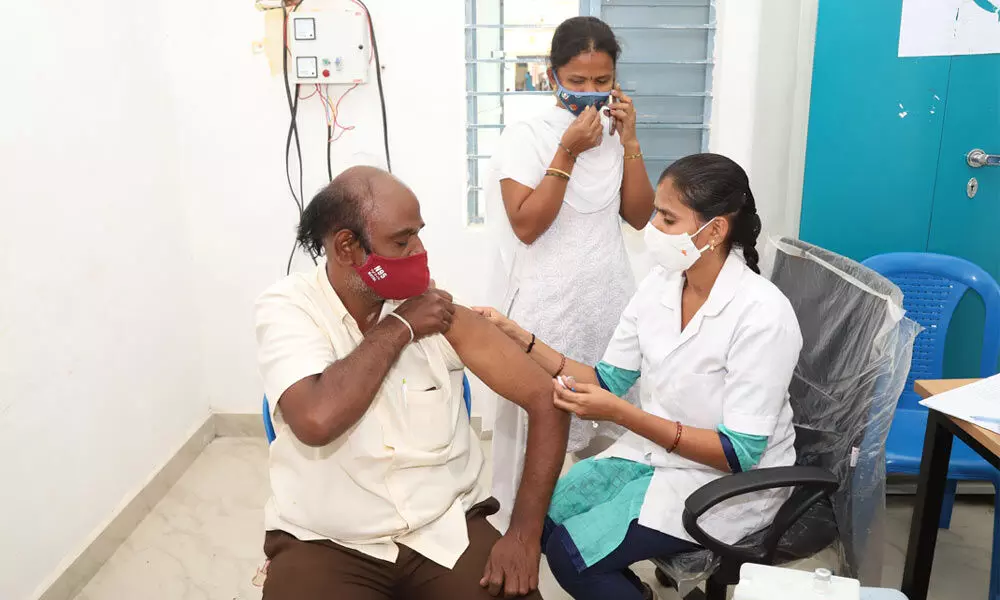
(674, 252)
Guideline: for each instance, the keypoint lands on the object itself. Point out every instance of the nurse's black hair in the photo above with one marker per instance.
(715, 186)
(577, 35)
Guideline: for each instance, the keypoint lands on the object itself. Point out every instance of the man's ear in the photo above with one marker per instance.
(345, 248)
(551, 73)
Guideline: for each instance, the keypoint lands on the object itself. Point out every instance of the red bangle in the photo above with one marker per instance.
(677, 438)
(562, 365)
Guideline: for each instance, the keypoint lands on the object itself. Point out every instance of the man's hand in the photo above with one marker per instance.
(429, 313)
(512, 569)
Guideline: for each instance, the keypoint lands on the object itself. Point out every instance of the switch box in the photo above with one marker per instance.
(329, 46)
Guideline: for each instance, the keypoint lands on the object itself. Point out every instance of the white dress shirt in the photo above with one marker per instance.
(406, 472)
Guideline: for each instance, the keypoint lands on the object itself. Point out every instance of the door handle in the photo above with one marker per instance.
(978, 158)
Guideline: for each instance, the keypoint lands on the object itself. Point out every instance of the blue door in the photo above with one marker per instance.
(886, 163)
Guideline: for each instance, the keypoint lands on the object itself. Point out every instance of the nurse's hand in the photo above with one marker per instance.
(590, 402)
(509, 327)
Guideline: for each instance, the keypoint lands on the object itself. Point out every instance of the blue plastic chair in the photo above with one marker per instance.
(269, 426)
(933, 285)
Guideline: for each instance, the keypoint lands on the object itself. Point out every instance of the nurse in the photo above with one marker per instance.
(561, 183)
(716, 345)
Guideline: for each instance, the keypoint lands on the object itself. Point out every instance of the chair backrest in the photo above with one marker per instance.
(856, 351)
(269, 426)
(933, 285)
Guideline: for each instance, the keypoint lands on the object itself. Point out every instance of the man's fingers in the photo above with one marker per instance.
(496, 583)
(513, 583)
(487, 573)
(443, 294)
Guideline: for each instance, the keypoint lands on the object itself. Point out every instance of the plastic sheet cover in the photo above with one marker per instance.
(857, 346)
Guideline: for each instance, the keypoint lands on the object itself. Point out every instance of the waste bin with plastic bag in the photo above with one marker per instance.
(857, 345)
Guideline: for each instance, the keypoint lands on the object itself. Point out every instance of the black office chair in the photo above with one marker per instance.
(855, 357)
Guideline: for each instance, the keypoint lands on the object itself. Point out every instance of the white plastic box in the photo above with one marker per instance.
(758, 582)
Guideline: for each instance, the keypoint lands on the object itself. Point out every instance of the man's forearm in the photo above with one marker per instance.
(548, 431)
(321, 409)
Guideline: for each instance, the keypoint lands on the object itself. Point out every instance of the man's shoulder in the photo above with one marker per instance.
(298, 293)
(297, 286)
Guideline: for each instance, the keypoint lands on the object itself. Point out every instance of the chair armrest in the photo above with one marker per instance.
(812, 485)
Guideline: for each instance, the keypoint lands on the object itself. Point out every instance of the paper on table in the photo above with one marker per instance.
(977, 403)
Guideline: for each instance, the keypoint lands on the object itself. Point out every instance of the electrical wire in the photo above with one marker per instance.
(293, 130)
(332, 112)
(329, 151)
(378, 76)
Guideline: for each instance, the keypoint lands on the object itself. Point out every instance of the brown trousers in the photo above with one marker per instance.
(322, 570)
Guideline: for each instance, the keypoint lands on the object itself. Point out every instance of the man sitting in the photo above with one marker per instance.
(375, 471)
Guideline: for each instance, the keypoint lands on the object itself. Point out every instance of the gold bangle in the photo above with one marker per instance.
(557, 173)
(633, 156)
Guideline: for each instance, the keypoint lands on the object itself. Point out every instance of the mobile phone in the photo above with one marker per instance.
(611, 119)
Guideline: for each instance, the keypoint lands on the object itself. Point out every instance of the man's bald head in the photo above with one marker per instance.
(346, 203)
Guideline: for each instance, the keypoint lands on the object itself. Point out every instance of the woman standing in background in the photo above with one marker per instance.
(565, 179)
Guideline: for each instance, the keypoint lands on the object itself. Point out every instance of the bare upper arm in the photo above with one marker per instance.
(499, 362)
(514, 195)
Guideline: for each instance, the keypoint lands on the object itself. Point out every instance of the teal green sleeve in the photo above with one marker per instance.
(615, 380)
(748, 448)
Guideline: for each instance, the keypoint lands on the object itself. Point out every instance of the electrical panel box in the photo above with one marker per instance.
(329, 47)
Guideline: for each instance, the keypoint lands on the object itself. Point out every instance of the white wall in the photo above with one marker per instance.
(233, 135)
(98, 328)
(760, 110)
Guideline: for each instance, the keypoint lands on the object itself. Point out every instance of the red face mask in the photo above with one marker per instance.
(396, 278)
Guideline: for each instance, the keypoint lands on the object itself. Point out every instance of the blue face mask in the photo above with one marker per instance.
(577, 102)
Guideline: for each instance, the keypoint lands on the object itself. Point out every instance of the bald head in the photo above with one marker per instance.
(371, 205)
(346, 203)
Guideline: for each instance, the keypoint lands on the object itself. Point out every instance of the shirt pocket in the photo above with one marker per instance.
(430, 420)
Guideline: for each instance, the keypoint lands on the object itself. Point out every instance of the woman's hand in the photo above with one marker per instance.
(584, 133)
(509, 327)
(623, 112)
(590, 402)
